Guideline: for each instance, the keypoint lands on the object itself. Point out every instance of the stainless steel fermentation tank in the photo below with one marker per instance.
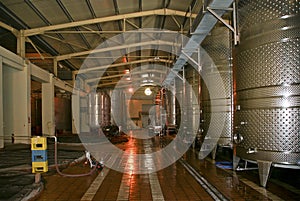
(192, 77)
(63, 115)
(170, 107)
(218, 46)
(119, 110)
(36, 114)
(178, 103)
(186, 102)
(99, 109)
(267, 114)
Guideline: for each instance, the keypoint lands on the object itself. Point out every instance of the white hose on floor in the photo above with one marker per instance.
(68, 175)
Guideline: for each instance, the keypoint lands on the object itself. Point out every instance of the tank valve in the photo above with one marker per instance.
(251, 151)
(238, 138)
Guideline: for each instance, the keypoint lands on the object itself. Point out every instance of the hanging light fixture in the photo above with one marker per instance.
(148, 91)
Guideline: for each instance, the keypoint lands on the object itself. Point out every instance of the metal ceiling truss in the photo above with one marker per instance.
(117, 12)
(99, 68)
(125, 75)
(19, 24)
(66, 12)
(138, 82)
(11, 29)
(215, 10)
(44, 19)
(36, 31)
(161, 22)
(188, 13)
(168, 12)
(66, 42)
(118, 47)
(88, 2)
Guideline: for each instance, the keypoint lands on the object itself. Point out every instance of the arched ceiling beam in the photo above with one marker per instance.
(156, 82)
(118, 47)
(9, 28)
(163, 12)
(161, 72)
(97, 68)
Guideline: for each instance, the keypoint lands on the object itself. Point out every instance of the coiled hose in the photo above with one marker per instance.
(68, 175)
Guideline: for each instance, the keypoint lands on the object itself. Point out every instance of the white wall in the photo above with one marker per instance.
(16, 104)
(1, 105)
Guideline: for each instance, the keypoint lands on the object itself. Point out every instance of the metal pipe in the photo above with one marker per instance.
(245, 169)
(236, 35)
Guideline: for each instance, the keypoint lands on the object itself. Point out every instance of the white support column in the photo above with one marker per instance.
(1, 105)
(22, 103)
(21, 44)
(28, 94)
(48, 109)
(16, 104)
(76, 112)
(55, 67)
(28, 100)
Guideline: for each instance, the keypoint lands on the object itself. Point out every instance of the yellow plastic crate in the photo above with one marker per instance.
(38, 143)
(39, 167)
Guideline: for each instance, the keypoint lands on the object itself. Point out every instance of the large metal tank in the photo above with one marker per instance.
(119, 110)
(186, 103)
(179, 100)
(36, 114)
(192, 88)
(63, 116)
(268, 83)
(170, 107)
(99, 107)
(218, 47)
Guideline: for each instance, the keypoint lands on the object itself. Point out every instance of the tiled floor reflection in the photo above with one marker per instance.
(171, 183)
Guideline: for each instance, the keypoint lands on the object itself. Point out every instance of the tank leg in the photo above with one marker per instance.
(201, 154)
(214, 152)
(204, 150)
(235, 162)
(264, 171)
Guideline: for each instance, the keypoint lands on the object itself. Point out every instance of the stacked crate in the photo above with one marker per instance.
(39, 154)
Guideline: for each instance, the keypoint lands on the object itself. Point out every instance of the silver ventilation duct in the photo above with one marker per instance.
(206, 24)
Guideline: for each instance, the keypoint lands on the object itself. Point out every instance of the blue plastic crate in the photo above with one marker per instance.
(39, 155)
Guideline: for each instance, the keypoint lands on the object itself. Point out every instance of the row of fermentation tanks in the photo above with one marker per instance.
(260, 77)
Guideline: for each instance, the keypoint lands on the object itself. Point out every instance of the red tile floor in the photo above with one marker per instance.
(171, 183)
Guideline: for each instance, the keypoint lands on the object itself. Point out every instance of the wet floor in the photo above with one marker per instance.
(171, 183)
(16, 180)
